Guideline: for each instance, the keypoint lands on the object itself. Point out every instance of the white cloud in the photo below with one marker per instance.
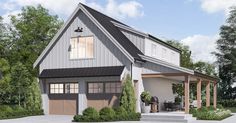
(6, 16)
(213, 6)
(127, 9)
(202, 47)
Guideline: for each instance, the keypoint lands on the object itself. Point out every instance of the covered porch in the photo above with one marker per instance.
(186, 78)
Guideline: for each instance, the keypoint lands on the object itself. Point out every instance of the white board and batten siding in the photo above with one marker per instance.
(161, 52)
(137, 40)
(105, 52)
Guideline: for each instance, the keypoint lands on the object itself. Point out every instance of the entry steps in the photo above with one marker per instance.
(168, 117)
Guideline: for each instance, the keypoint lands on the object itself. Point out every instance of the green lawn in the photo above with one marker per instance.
(232, 109)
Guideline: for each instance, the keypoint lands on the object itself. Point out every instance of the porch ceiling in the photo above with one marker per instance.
(181, 76)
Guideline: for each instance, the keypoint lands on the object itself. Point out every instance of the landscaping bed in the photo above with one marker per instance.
(10, 112)
(210, 113)
(106, 115)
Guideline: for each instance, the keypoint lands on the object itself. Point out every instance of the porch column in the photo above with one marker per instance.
(215, 95)
(186, 94)
(199, 93)
(208, 94)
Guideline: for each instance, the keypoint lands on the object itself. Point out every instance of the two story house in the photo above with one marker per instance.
(87, 60)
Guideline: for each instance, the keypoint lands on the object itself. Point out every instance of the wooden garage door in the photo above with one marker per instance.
(65, 107)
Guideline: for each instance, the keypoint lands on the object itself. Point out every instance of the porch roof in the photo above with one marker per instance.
(181, 76)
(82, 72)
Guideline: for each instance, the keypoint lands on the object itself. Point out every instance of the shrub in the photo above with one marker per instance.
(90, 114)
(203, 109)
(107, 114)
(5, 108)
(209, 113)
(193, 111)
(121, 113)
(134, 116)
(17, 112)
(127, 99)
(211, 108)
(219, 106)
(227, 103)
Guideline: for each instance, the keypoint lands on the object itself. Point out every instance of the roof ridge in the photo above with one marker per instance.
(115, 32)
(112, 19)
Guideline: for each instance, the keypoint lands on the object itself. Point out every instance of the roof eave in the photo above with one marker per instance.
(157, 61)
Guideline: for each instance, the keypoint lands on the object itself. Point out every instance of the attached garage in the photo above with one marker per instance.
(71, 90)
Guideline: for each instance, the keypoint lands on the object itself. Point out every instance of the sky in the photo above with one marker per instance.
(195, 23)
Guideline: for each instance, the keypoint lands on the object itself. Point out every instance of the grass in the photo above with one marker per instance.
(232, 109)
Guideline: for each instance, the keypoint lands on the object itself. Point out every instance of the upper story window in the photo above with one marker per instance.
(164, 53)
(154, 50)
(82, 47)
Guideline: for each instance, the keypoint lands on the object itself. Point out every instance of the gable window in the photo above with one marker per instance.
(82, 47)
(154, 50)
(164, 53)
(56, 89)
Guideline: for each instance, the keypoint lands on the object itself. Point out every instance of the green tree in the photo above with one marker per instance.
(226, 56)
(4, 81)
(31, 31)
(21, 42)
(20, 83)
(185, 58)
(205, 68)
(127, 99)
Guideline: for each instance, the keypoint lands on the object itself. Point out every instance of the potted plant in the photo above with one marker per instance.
(146, 98)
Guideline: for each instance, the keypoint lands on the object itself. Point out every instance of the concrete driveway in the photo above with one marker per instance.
(41, 119)
(67, 119)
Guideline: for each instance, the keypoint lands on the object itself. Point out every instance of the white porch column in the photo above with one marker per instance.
(82, 99)
(186, 94)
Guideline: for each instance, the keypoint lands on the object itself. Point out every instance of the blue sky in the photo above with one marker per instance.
(195, 23)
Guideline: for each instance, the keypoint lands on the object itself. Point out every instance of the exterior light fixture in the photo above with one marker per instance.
(79, 29)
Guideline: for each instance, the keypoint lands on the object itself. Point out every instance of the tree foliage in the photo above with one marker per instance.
(226, 56)
(127, 99)
(205, 67)
(21, 42)
(185, 58)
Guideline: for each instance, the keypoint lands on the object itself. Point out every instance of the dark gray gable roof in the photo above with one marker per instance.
(106, 22)
(82, 72)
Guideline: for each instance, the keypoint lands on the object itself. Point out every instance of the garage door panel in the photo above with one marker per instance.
(55, 106)
(63, 104)
(70, 107)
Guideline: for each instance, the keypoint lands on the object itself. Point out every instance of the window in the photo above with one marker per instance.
(113, 87)
(164, 53)
(95, 87)
(56, 88)
(72, 88)
(154, 50)
(81, 47)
